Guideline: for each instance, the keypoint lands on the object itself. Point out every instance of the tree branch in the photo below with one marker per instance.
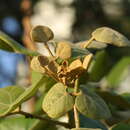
(29, 115)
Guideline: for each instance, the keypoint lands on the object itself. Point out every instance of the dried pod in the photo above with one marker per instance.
(75, 69)
(87, 61)
(41, 34)
(53, 66)
(63, 50)
(38, 63)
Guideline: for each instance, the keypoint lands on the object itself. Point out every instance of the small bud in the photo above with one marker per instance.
(41, 34)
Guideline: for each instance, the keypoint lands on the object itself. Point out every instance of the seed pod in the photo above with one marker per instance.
(41, 34)
(38, 63)
(63, 50)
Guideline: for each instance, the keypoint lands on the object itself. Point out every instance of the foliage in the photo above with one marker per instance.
(68, 83)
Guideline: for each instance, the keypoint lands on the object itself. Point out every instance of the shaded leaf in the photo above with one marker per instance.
(57, 101)
(115, 75)
(99, 66)
(121, 126)
(16, 97)
(79, 52)
(63, 50)
(90, 123)
(110, 36)
(85, 129)
(91, 105)
(114, 99)
(8, 44)
(41, 34)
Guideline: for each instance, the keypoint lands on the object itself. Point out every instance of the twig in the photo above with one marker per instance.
(76, 115)
(29, 115)
(88, 42)
(49, 50)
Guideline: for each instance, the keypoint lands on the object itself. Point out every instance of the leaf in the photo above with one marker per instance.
(91, 105)
(121, 126)
(17, 123)
(116, 73)
(47, 83)
(114, 99)
(8, 95)
(12, 97)
(110, 36)
(41, 34)
(57, 101)
(99, 66)
(94, 45)
(90, 123)
(63, 50)
(85, 129)
(8, 44)
(79, 52)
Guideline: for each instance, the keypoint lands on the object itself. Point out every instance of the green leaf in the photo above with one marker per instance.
(8, 95)
(57, 101)
(85, 129)
(115, 75)
(8, 44)
(90, 123)
(12, 97)
(17, 123)
(121, 126)
(79, 52)
(99, 66)
(110, 36)
(114, 99)
(47, 83)
(91, 105)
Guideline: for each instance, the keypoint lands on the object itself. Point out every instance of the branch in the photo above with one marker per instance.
(76, 115)
(29, 115)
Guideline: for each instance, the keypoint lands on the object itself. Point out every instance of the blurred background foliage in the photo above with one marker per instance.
(73, 20)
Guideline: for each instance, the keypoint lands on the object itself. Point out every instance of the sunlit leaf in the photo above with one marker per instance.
(94, 45)
(41, 34)
(57, 101)
(91, 105)
(12, 97)
(8, 95)
(8, 44)
(17, 123)
(110, 36)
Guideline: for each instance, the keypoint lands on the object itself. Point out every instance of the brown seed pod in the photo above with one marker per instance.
(41, 34)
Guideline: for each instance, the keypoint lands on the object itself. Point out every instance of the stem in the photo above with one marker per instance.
(29, 115)
(48, 50)
(88, 42)
(76, 115)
